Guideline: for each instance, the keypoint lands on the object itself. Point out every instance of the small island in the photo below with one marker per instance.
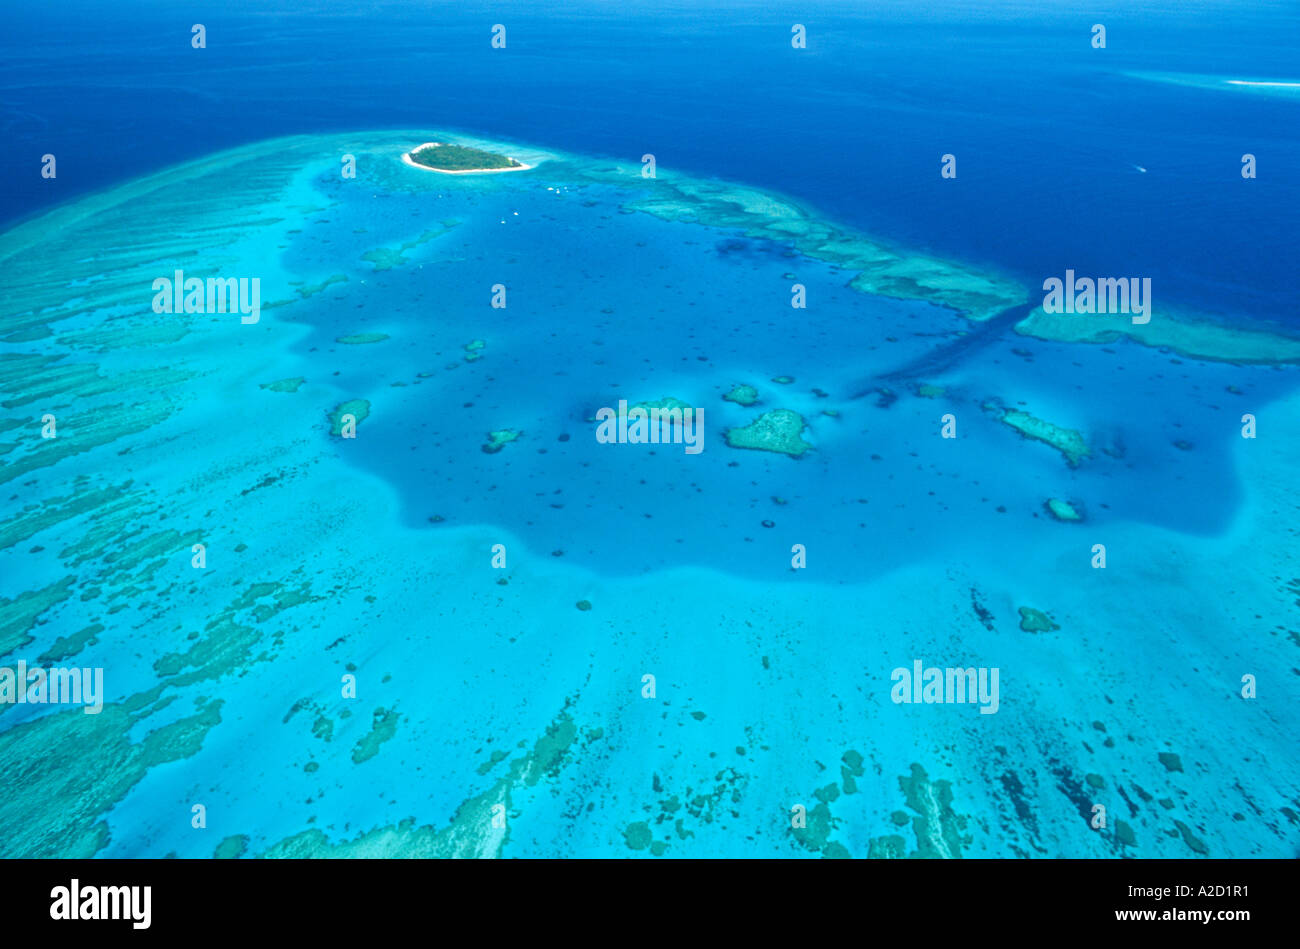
(459, 159)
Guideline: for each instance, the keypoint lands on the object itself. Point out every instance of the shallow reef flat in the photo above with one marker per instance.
(978, 294)
(1186, 333)
(1281, 88)
(779, 430)
(881, 269)
(1070, 443)
(490, 717)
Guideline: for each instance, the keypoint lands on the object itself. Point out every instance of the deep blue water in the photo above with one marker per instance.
(1045, 128)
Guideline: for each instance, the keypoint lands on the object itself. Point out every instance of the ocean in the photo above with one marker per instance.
(362, 580)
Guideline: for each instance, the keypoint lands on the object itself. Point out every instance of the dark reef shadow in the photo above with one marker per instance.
(939, 359)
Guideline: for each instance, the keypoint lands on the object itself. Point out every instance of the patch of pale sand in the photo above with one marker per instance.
(406, 157)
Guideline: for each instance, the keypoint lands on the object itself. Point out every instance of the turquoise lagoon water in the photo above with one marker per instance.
(485, 692)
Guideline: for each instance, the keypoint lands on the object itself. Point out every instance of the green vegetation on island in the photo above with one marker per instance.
(460, 158)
